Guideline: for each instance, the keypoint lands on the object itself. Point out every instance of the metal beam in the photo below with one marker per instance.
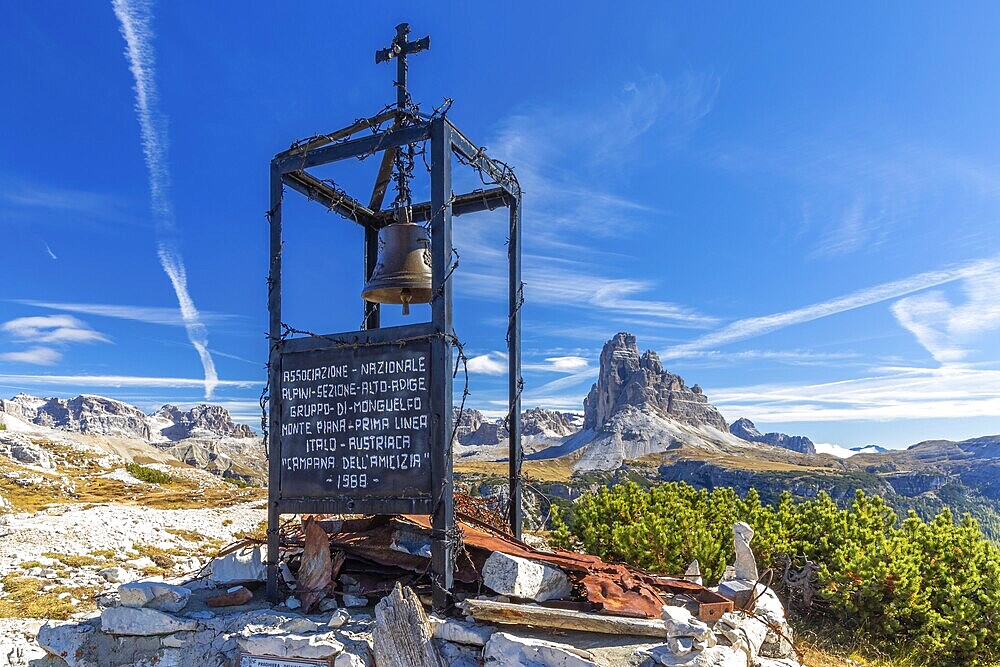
(273, 370)
(338, 202)
(442, 488)
(474, 154)
(471, 202)
(360, 147)
(514, 382)
(324, 139)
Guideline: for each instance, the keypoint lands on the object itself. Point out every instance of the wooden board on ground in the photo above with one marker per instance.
(544, 617)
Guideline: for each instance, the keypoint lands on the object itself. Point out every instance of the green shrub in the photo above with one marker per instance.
(145, 474)
(931, 587)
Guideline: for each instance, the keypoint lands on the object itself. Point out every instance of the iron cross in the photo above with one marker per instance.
(399, 49)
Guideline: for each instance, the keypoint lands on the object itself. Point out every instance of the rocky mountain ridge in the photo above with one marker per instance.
(476, 429)
(99, 415)
(744, 428)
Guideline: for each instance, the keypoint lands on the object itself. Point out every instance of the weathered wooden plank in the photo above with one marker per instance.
(402, 634)
(545, 617)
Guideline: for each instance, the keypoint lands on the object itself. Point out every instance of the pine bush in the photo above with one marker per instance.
(929, 587)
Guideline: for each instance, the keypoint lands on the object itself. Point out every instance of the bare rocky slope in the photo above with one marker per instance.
(205, 436)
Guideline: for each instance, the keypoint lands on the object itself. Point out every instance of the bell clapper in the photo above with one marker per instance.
(405, 295)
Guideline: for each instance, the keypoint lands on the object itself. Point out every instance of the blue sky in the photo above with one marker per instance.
(796, 206)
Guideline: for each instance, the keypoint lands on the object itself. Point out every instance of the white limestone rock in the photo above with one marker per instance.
(523, 578)
(114, 575)
(714, 656)
(459, 655)
(681, 623)
(775, 662)
(142, 622)
(460, 632)
(778, 643)
(338, 618)
(746, 565)
(240, 567)
(506, 650)
(347, 659)
(355, 601)
(319, 646)
(65, 640)
(154, 595)
(743, 632)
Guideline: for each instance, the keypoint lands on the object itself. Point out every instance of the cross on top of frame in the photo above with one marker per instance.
(399, 49)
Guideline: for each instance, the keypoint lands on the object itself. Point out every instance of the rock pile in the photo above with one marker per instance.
(151, 622)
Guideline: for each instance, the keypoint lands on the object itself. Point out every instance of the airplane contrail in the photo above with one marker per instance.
(135, 17)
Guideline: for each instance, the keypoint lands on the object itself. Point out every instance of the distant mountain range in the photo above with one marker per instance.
(639, 422)
(98, 415)
(204, 436)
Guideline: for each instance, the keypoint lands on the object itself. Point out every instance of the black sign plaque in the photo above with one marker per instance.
(355, 422)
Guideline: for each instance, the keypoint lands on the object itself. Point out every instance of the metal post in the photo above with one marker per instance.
(372, 311)
(443, 502)
(515, 296)
(274, 403)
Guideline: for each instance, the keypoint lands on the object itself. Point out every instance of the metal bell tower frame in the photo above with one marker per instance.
(365, 138)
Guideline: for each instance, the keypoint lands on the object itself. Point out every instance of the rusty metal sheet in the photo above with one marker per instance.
(612, 597)
(614, 588)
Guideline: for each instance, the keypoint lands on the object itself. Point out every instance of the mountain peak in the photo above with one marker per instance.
(627, 378)
(744, 428)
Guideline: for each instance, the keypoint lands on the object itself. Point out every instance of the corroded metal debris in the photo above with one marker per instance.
(373, 553)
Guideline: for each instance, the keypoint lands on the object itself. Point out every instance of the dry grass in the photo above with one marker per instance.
(825, 645)
(257, 533)
(23, 598)
(545, 470)
(72, 560)
(186, 535)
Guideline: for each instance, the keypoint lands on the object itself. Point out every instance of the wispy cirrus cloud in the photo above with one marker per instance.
(891, 393)
(114, 381)
(38, 355)
(135, 18)
(753, 327)
(570, 285)
(52, 329)
(953, 332)
(147, 314)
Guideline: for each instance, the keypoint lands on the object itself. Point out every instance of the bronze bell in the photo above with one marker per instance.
(403, 272)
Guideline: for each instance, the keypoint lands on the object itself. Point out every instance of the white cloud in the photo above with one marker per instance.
(51, 254)
(40, 356)
(895, 393)
(52, 329)
(147, 314)
(948, 331)
(117, 381)
(577, 288)
(860, 226)
(567, 364)
(758, 326)
(493, 363)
